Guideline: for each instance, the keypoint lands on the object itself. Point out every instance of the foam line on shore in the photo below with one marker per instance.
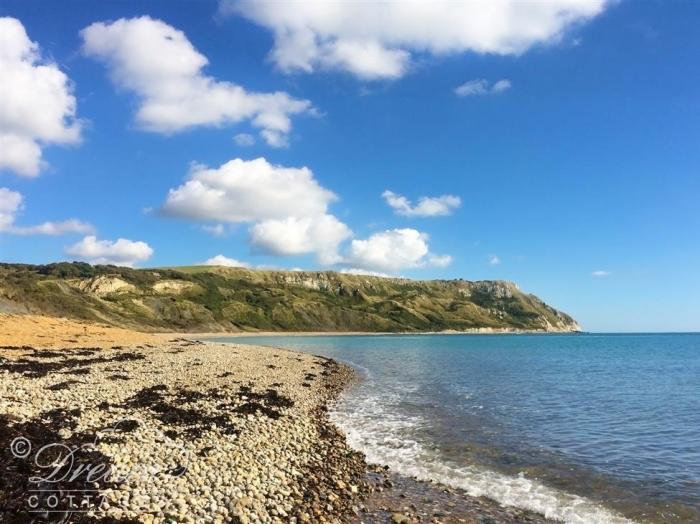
(382, 438)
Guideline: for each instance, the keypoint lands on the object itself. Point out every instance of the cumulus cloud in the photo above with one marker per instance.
(286, 207)
(601, 273)
(244, 139)
(37, 106)
(120, 252)
(482, 87)
(393, 250)
(426, 207)
(161, 66)
(295, 236)
(221, 260)
(248, 191)
(494, 260)
(12, 202)
(377, 40)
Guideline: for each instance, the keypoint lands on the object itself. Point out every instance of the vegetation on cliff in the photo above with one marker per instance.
(211, 298)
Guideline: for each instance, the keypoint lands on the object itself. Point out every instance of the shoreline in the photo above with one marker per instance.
(391, 497)
(477, 331)
(194, 431)
(198, 432)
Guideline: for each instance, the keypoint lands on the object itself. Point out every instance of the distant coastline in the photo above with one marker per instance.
(476, 331)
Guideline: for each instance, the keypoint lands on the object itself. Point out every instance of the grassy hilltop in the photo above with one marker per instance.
(211, 298)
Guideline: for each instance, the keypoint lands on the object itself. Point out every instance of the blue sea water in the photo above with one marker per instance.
(582, 428)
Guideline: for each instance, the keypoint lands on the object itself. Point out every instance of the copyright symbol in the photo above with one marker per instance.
(21, 447)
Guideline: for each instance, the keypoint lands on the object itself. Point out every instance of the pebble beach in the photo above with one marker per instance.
(99, 424)
(190, 432)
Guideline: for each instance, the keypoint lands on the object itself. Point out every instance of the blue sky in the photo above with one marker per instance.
(586, 161)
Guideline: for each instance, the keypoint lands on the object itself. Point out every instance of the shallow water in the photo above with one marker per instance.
(583, 428)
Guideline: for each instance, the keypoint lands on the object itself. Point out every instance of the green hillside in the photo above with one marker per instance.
(212, 298)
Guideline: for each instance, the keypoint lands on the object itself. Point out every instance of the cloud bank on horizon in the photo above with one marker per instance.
(380, 40)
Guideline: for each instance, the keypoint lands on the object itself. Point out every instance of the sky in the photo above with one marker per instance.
(553, 144)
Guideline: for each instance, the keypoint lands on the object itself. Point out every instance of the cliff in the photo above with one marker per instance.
(209, 298)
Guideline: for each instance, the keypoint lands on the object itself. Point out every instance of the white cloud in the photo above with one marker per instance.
(364, 272)
(120, 252)
(501, 85)
(482, 87)
(37, 106)
(54, 228)
(296, 236)
(248, 191)
(494, 260)
(426, 207)
(11, 203)
(377, 40)
(393, 250)
(218, 230)
(601, 273)
(161, 66)
(244, 140)
(221, 260)
(365, 59)
(287, 207)
(438, 260)
(274, 138)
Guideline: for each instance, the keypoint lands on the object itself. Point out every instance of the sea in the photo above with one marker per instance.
(583, 428)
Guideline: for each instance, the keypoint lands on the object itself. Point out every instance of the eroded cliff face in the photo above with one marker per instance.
(217, 298)
(104, 285)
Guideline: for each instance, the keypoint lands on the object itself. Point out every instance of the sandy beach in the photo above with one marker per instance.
(161, 428)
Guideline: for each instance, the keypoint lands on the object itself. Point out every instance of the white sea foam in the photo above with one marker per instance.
(384, 436)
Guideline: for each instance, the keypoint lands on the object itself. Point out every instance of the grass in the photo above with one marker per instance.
(239, 298)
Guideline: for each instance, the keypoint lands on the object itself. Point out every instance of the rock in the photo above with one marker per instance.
(400, 518)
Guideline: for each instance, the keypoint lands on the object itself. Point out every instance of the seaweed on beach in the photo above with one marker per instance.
(188, 395)
(30, 368)
(124, 357)
(118, 376)
(45, 353)
(126, 426)
(85, 352)
(40, 368)
(147, 397)
(62, 385)
(19, 466)
(267, 403)
(79, 371)
(189, 421)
